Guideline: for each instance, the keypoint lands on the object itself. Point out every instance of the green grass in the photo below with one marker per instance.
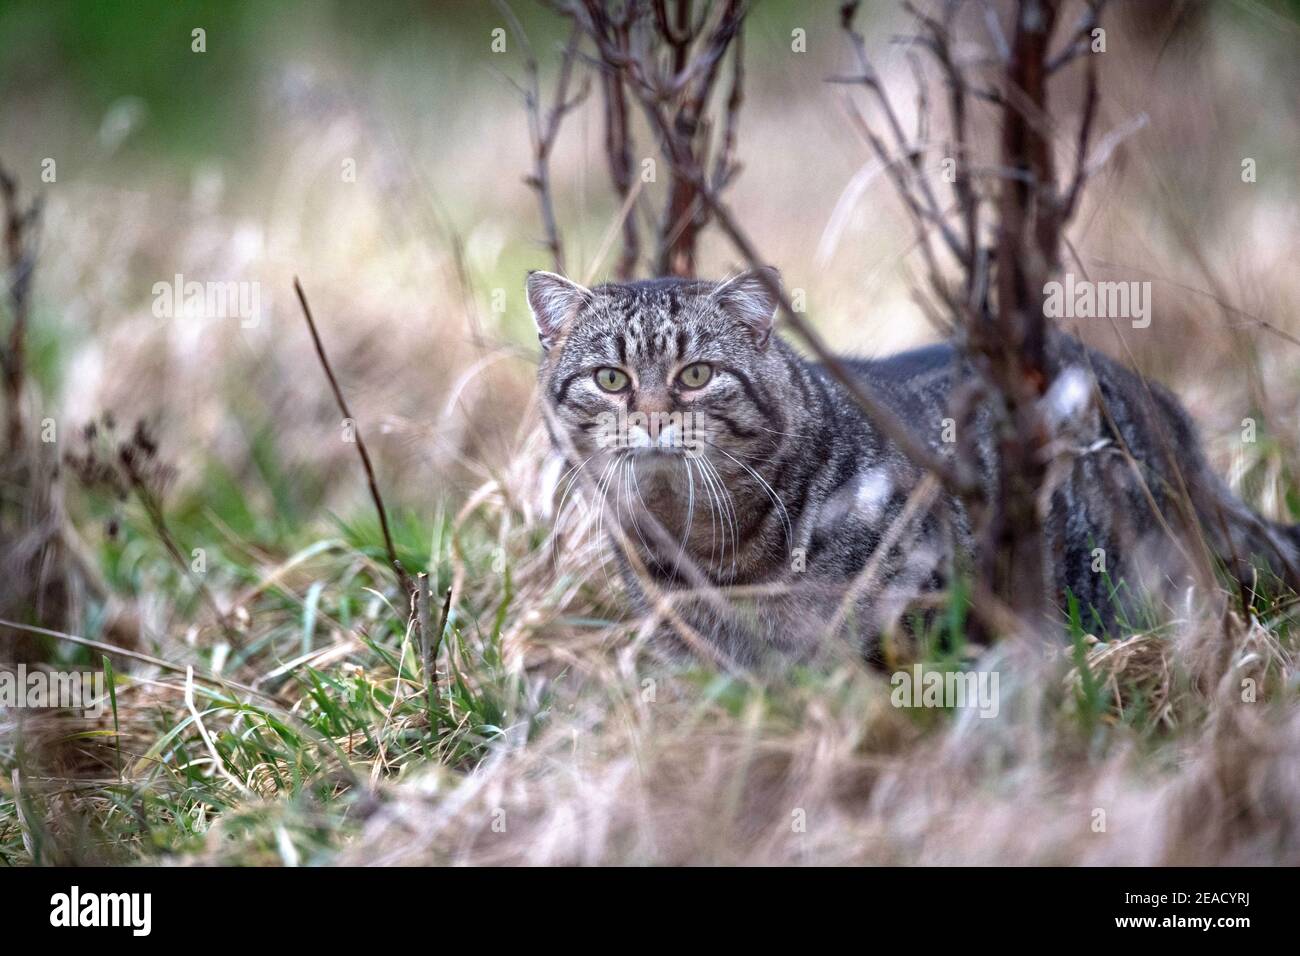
(299, 757)
(292, 777)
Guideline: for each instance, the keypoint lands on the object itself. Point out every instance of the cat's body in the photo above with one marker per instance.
(792, 499)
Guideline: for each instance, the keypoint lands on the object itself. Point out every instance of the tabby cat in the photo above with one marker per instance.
(755, 507)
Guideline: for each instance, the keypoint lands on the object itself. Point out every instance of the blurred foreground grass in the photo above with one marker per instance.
(553, 736)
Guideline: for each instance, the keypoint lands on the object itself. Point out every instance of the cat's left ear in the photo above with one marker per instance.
(752, 297)
(554, 300)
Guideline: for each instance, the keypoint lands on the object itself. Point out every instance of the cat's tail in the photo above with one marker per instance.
(1291, 532)
(1244, 541)
(1282, 550)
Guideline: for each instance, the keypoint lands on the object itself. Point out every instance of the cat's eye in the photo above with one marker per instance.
(611, 379)
(696, 376)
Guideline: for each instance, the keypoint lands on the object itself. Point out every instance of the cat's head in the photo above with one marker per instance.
(660, 370)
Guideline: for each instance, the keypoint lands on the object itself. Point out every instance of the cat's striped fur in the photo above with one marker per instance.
(794, 491)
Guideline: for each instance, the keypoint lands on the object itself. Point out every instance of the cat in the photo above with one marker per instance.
(756, 508)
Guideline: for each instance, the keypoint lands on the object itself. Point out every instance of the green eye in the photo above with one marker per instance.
(697, 375)
(611, 379)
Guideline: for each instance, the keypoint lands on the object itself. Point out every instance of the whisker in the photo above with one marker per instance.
(574, 474)
(602, 488)
(776, 431)
(728, 508)
(714, 512)
(630, 483)
(770, 491)
(690, 512)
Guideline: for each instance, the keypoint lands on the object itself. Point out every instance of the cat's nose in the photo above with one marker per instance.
(651, 400)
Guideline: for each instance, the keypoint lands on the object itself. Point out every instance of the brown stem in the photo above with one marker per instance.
(618, 152)
(543, 131)
(20, 226)
(158, 520)
(404, 579)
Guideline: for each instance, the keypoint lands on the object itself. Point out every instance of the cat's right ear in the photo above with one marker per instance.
(554, 300)
(753, 297)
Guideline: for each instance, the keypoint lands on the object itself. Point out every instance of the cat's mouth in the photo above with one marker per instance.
(659, 451)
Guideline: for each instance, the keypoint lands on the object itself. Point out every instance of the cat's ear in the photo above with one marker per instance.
(554, 300)
(752, 297)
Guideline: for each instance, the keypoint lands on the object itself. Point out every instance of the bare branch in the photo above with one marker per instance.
(1081, 146)
(404, 579)
(1080, 41)
(543, 130)
(998, 35)
(1000, 318)
(939, 42)
(21, 227)
(725, 167)
(927, 205)
(618, 150)
(683, 98)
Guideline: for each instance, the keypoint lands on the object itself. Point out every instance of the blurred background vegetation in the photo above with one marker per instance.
(226, 165)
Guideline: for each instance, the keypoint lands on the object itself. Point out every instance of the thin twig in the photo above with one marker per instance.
(1080, 41)
(543, 131)
(682, 98)
(725, 167)
(1081, 147)
(618, 151)
(436, 643)
(404, 579)
(128, 456)
(869, 78)
(426, 652)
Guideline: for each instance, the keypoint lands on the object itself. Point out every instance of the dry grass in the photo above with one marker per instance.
(546, 726)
